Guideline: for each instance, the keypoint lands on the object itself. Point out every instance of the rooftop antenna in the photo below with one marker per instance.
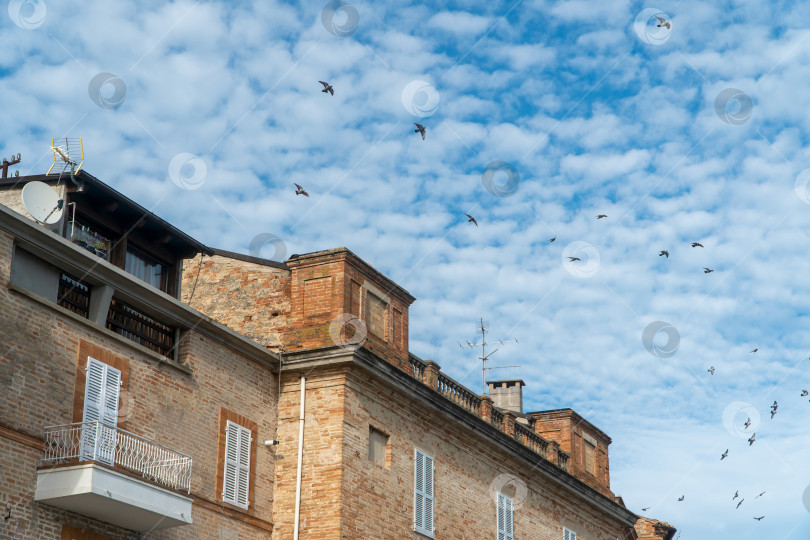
(7, 163)
(66, 155)
(484, 356)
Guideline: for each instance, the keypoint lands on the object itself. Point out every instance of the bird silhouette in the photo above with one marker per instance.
(755, 350)
(739, 503)
(472, 219)
(707, 270)
(711, 370)
(300, 191)
(600, 216)
(550, 240)
(804, 393)
(697, 244)
(773, 413)
(420, 129)
(327, 87)
(752, 439)
(664, 253)
(736, 494)
(759, 518)
(682, 498)
(645, 509)
(747, 423)
(725, 455)
(760, 495)
(663, 23)
(775, 405)
(572, 259)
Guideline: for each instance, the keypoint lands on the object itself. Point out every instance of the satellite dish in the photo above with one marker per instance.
(42, 202)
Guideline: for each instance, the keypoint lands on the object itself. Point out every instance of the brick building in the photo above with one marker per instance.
(155, 387)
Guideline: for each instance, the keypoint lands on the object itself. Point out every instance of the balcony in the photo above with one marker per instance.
(114, 476)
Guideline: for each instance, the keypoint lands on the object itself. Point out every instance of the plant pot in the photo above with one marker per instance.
(101, 253)
(80, 243)
(91, 249)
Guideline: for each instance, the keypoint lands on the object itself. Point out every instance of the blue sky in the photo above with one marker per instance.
(209, 111)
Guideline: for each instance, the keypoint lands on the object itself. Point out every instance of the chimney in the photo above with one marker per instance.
(507, 394)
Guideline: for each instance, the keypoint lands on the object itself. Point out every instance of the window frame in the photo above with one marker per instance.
(225, 417)
(237, 472)
(428, 493)
(383, 460)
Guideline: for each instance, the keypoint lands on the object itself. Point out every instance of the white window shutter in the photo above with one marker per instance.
(505, 518)
(236, 482)
(102, 389)
(569, 535)
(423, 493)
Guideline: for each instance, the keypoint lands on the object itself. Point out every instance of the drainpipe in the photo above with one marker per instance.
(300, 457)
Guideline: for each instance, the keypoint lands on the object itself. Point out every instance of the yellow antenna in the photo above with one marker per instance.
(67, 155)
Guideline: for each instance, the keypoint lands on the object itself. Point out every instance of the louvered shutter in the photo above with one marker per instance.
(569, 535)
(505, 517)
(236, 485)
(423, 493)
(102, 389)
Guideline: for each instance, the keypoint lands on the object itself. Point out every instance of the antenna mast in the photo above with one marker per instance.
(485, 357)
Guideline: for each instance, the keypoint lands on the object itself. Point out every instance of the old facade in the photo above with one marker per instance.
(256, 399)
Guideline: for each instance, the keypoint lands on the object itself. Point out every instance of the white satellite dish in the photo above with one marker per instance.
(42, 202)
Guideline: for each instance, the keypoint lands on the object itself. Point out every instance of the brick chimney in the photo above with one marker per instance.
(507, 394)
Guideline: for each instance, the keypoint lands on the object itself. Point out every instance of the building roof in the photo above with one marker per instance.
(249, 258)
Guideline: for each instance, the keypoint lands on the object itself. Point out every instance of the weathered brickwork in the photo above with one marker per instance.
(252, 299)
(652, 529)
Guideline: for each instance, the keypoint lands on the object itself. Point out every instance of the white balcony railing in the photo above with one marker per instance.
(84, 441)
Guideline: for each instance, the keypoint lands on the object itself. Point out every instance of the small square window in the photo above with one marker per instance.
(378, 447)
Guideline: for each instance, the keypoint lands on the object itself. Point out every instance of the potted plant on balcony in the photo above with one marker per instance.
(101, 249)
(78, 241)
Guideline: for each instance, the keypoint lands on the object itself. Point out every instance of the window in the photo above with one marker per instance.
(140, 328)
(505, 524)
(146, 268)
(375, 315)
(423, 494)
(569, 535)
(74, 295)
(377, 447)
(102, 389)
(235, 486)
(590, 457)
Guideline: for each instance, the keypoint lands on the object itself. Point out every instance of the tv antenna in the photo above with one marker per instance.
(484, 356)
(66, 155)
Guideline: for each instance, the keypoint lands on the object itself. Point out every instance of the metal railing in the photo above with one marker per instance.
(531, 439)
(458, 394)
(85, 441)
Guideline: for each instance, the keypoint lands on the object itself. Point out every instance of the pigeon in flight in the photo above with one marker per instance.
(759, 518)
(550, 240)
(760, 495)
(804, 393)
(707, 270)
(664, 253)
(662, 22)
(697, 244)
(773, 413)
(471, 220)
(600, 216)
(752, 352)
(711, 370)
(747, 423)
(739, 503)
(420, 129)
(682, 497)
(736, 494)
(300, 191)
(751, 440)
(645, 509)
(775, 405)
(572, 259)
(725, 455)
(327, 87)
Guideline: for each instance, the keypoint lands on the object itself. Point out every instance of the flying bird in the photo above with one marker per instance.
(300, 191)
(804, 393)
(747, 423)
(663, 23)
(736, 494)
(420, 129)
(550, 240)
(739, 503)
(752, 352)
(751, 440)
(645, 509)
(711, 370)
(697, 244)
(572, 259)
(775, 405)
(327, 88)
(600, 216)
(760, 495)
(664, 253)
(773, 413)
(725, 455)
(707, 270)
(471, 220)
(682, 497)
(759, 518)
